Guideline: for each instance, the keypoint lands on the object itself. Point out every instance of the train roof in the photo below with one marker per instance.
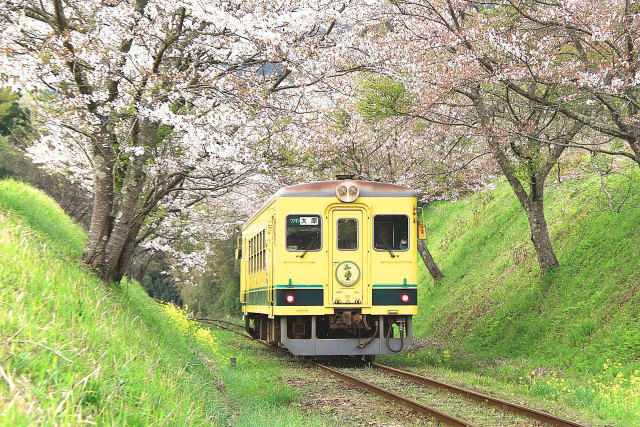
(328, 189)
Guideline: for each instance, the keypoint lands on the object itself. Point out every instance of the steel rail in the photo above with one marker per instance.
(489, 400)
(219, 321)
(395, 398)
(242, 334)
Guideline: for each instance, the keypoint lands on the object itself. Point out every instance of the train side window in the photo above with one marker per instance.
(251, 256)
(304, 232)
(257, 257)
(391, 232)
(263, 250)
(347, 234)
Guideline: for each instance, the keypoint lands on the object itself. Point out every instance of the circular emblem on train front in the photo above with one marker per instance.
(347, 273)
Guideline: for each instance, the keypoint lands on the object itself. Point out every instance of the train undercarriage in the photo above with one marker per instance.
(347, 332)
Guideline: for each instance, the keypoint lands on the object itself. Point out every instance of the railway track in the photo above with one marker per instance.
(415, 406)
(223, 324)
(483, 398)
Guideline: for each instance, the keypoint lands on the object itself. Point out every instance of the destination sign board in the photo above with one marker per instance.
(303, 220)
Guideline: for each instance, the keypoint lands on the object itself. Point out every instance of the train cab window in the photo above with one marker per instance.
(391, 232)
(304, 232)
(347, 234)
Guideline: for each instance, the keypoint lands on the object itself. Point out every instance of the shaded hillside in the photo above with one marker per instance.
(73, 199)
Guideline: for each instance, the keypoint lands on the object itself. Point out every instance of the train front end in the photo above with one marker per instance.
(345, 268)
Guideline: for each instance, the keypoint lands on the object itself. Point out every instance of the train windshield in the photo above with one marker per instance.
(391, 232)
(304, 232)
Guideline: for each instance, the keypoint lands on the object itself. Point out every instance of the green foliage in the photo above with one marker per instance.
(7, 158)
(494, 305)
(217, 291)
(341, 119)
(158, 284)
(4, 145)
(14, 117)
(164, 131)
(380, 97)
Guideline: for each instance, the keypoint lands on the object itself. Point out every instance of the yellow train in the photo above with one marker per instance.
(330, 268)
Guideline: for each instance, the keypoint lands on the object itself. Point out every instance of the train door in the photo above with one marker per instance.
(347, 256)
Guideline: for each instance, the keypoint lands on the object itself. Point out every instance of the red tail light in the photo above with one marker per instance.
(404, 298)
(290, 299)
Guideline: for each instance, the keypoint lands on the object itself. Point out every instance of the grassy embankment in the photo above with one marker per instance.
(571, 336)
(74, 351)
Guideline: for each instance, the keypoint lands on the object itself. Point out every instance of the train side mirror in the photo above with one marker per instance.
(422, 232)
(239, 248)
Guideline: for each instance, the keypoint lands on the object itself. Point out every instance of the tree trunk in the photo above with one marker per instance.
(112, 236)
(635, 146)
(540, 235)
(138, 268)
(100, 226)
(532, 202)
(429, 261)
(123, 225)
(124, 262)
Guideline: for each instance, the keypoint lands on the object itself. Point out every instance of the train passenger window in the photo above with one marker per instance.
(348, 234)
(251, 256)
(304, 232)
(257, 253)
(263, 250)
(391, 232)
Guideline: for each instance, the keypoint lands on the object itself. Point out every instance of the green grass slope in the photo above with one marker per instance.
(493, 311)
(73, 351)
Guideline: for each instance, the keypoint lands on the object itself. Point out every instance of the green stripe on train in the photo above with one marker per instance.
(399, 285)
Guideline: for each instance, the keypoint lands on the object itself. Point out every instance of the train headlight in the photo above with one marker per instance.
(404, 298)
(289, 299)
(347, 191)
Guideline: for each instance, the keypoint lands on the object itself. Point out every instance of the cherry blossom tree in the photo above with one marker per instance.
(467, 67)
(526, 137)
(141, 100)
(588, 58)
(160, 107)
(185, 230)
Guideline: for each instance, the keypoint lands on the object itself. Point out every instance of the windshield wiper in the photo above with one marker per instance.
(386, 246)
(309, 246)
